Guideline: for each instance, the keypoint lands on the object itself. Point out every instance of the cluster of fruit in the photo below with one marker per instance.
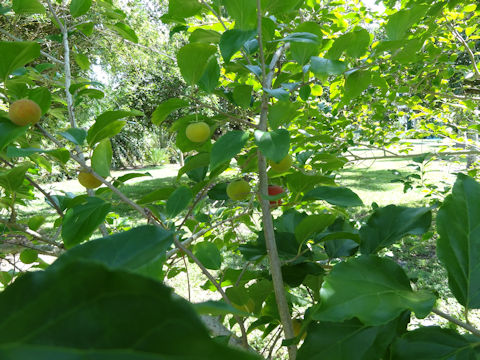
(199, 132)
(27, 112)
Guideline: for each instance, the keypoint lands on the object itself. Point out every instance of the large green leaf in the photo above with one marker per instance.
(166, 108)
(301, 52)
(356, 83)
(434, 343)
(391, 223)
(85, 311)
(282, 113)
(13, 178)
(209, 80)
(244, 12)
(179, 200)
(102, 158)
(61, 154)
(458, 247)
(233, 40)
(324, 67)
(42, 97)
(226, 147)
(126, 32)
(193, 59)
(80, 7)
(209, 255)
(15, 55)
(9, 132)
(334, 195)
(311, 225)
(400, 22)
(108, 124)
(28, 7)
(75, 135)
(132, 250)
(374, 290)
(180, 9)
(350, 340)
(273, 144)
(81, 220)
(354, 43)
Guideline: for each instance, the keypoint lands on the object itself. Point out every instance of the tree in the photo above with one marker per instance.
(309, 79)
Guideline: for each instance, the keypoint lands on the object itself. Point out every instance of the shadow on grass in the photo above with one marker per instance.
(370, 180)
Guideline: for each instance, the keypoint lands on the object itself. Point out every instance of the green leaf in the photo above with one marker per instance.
(374, 290)
(15, 55)
(302, 52)
(75, 135)
(273, 144)
(312, 225)
(102, 158)
(42, 97)
(356, 83)
(433, 343)
(12, 179)
(126, 32)
(282, 113)
(209, 255)
(216, 308)
(9, 132)
(181, 9)
(233, 40)
(334, 195)
(198, 161)
(242, 94)
(209, 80)
(354, 43)
(82, 61)
(166, 108)
(28, 256)
(80, 7)
(458, 224)
(61, 154)
(157, 195)
(205, 36)
(193, 59)
(244, 12)
(82, 220)
(131, 250)
(28, 7)
(325, 67)
(79, 311)
(178, 201)
(350, 340)
(35, 222)
(389, 224)
(280, 94)
(400, 22)
(278, 7)
(226, 147)
(86, 28)
(108, 125)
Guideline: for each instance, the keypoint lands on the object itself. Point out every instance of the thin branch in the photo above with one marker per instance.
(467, 48)
(456, 321)
(48, 56)
(401, 156)
(453, 96)
(217, 286)
(39, 188)
(275, 265)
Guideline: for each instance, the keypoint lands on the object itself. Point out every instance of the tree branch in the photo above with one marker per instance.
(467, 48)
(275, 265)
(456, 321)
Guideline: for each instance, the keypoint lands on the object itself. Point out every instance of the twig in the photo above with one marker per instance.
(216, 284)
(400, 156)
(456, 321)
(453, 96)
(467, 48)
(275, 265)
(188, 278)
(48, 56)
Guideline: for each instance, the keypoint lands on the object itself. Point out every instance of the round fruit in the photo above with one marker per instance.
(88, 180)
(24, 112)
(198, 132)
(238, 190)
(275, 190)
(283, 165)
(297, 326)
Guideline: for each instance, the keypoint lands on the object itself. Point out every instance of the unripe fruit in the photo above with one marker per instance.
(88, 180)
(24, 112)
(283, 165)
(198, 132)
(297, 326)
(238, 190)
(275, 190)
(28, 256)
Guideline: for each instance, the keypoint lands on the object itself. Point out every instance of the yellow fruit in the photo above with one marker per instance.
(283, 165)
(198, 132)
(297, 326)
(88, 180)
(238, 190)
(24, 112)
